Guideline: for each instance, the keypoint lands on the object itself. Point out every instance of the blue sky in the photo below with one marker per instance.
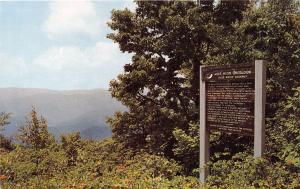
(58, 45)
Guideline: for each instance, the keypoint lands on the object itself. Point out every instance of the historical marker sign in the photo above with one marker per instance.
(230, 98)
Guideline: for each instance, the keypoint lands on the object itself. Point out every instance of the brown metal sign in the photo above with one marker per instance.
(230, 98)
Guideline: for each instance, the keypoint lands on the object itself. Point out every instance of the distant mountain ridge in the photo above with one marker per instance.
(66, 111)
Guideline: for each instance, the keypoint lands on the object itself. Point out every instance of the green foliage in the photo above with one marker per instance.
(71, 145)
(187, 147)
(285, 138)
(244, 171)
(35, 132)
(4, 117)
(98, 165)
(272, 34)
(152, 165)
(5, 144)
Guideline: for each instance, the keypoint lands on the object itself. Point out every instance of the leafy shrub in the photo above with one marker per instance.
(244, 171)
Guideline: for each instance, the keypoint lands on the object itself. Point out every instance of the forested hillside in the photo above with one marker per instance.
(155, 142)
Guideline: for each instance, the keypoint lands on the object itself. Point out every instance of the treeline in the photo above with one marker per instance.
(155, 143)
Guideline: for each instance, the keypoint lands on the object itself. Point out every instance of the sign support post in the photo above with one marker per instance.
(259, 108)
(204, 133)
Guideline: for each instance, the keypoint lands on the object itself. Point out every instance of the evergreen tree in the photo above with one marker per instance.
(35, 133)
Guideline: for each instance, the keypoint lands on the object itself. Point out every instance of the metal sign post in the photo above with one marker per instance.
(204, 133)
(260, 101)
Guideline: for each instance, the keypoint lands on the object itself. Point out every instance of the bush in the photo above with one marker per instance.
(244, 171)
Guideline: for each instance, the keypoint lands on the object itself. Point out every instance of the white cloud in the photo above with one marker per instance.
(76, 58)
(64, 68)
(72, 17)
(13, 69)
(74, 67)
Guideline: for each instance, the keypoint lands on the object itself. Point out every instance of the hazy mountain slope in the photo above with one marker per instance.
(66, 111)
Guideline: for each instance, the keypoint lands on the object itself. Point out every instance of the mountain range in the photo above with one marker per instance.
(65, 111)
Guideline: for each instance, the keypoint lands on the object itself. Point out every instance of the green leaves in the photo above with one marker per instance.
(248, 172)
(287, 132)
